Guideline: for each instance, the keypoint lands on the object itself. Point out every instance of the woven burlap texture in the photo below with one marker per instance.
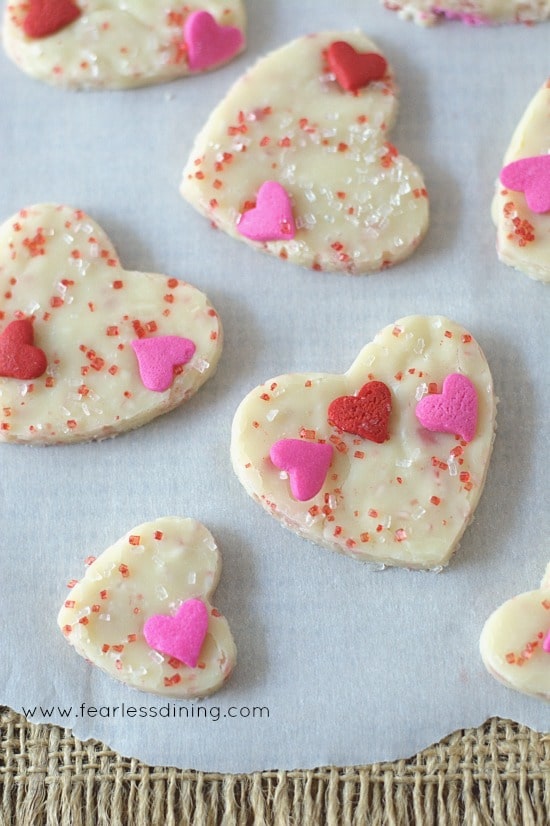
(498, 773)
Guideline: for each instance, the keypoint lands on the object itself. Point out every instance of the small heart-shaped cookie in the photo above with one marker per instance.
(142, 611)
(471, 12)
(521, 205)
(302, 168)
(120, 347)
(515, 642)
(110, 44)
(403, 498)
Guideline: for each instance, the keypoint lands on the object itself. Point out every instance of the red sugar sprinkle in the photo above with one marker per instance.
(435, 500)
(168, 681)
(134, 539)
(158, 535)
(124, 570)
(117, 285)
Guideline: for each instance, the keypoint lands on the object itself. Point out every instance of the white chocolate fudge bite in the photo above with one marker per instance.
(88, 349)
(515, 642)
(471, 12)
(296, 160)
(385, 463)
(114, 44)
(521, 204)
(142, 611)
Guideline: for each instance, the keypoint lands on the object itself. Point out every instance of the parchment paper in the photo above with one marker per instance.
(352, 665)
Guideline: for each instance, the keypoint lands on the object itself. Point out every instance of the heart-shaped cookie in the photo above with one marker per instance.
(470, 12)
(114, 44)
(342, 197)
(521, 205)
(142, 611)
(515, 642)
(404, 500)
(120, 347)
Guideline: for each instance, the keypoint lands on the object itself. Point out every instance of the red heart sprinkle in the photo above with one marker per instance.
(19, 358)
(47, 17)
(367, 414)
(354, 69)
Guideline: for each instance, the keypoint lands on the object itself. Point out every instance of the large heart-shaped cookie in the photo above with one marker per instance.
(120, 347)
(296, 160)
(471, 12)
(515, 642)
(521, 205)
(116, 44)
(403, 498)
(142, 611)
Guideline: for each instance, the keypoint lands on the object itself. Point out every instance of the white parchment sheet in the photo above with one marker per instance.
(349, 665)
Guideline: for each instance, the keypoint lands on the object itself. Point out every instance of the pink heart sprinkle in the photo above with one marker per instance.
(546, 644)
(207, 42)
(306, 463)
(454, 410)
(157, 357)
(180, 636)
(271, 219)
(531, 176)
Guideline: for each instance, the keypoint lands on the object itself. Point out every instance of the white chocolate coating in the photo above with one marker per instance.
(471, 12)
(523, 236)
(59, 268)
(511, 642)
(358, 205)
(114, 43)
(151, 570)
(405, 502)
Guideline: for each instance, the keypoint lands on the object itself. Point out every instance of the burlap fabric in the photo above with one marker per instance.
(498, 773)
